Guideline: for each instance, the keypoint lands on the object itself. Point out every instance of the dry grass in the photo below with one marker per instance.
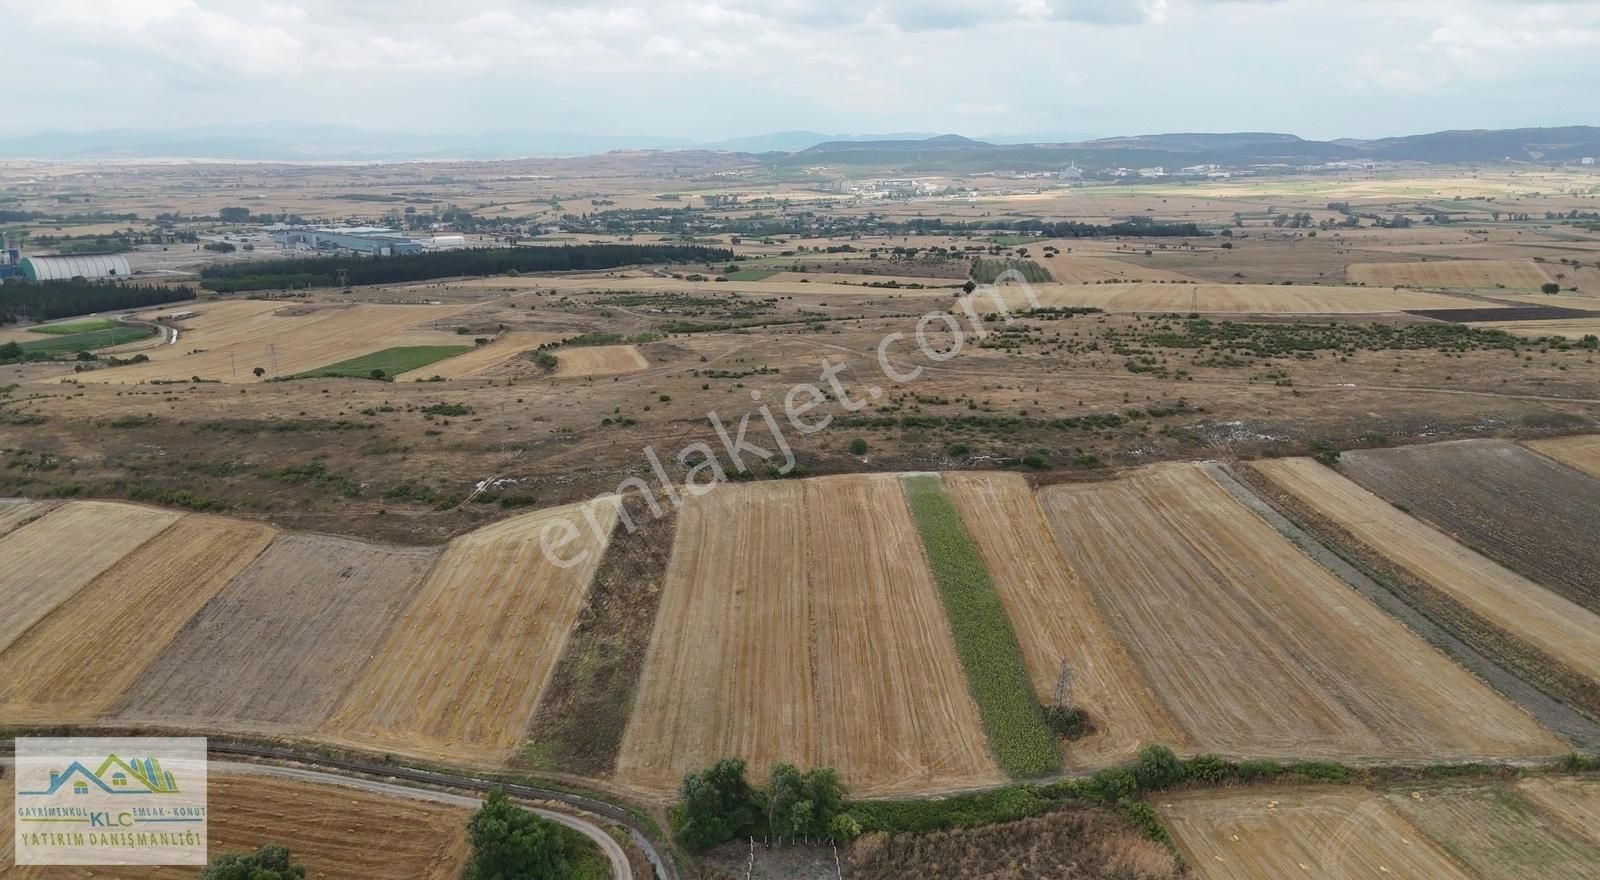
(1492, 274)
(1581, 452)
(1522, 608)
(45, 562)
(481, 359)
(337, 833)
(460, 673)
(799, 622)
(599, 360)
(1495, 832)
(1073, 269)
(278, 646)
(226, 341)
(16, 513)
(1226, 298)
(1057, 620)
(1575, 803)
(1255, 649)
(75, 664)
(1569, 328)
(1326, 833)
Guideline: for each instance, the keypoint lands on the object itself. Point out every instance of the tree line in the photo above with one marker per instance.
(46, 301)
(324, 271)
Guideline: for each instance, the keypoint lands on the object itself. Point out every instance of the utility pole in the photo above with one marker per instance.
(274, 349)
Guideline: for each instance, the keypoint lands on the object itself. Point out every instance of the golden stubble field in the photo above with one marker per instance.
(1256, 650)
(1223, 298)
(799, 622)
(338, 833)
(1461, 274)
(459, 674)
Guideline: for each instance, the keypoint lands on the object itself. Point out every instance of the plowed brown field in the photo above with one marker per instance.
(599, 360)
(283, 640)
(799, 622)
(1529, 512)
(1254, 648)
(1524, 609)
(1057, 620)
(1450, 273)
(46, 561)
(1324, 833)
(337, 833)
(459, 674)
(78, 661)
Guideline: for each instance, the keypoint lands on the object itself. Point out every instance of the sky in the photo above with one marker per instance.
(706, 70)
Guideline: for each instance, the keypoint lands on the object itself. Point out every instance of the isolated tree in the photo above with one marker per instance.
(11, 351)
(511, 843)
(271, 862)
(259, 371)
(376, 374)
(1550, 287)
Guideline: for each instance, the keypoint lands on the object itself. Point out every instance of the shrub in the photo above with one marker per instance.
(1157, 767)
(716, 805)
(858, 446)
(1550, 287)
(270, 862)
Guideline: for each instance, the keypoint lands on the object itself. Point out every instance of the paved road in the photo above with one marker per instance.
(620, 868)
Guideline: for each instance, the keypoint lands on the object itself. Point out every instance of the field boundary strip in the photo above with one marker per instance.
(1022, 743)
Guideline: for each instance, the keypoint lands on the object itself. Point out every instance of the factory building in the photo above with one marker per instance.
(374, 240)
(66, 268)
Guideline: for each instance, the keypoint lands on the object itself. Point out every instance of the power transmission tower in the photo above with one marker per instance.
(1062, 696)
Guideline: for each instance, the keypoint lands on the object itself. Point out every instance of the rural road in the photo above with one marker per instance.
(620, 867)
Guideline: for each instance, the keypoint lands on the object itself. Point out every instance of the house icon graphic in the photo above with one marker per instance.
(114, 776)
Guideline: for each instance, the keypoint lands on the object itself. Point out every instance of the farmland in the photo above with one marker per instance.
(1581, 452)
(1242, 637)
(1057, 621)
(460, 672)
(599, 360)
(337, 833)
(44, 563)
(1496, 831)
(79, 660)
(480, 359)
(388, 363)
(822, 671)
(280, 644)
(227, 341)
(1221, 298)
(1537, 618)
(1526, 511)
(1493, 274)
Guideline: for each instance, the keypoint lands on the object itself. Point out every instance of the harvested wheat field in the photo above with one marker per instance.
(78, 662)
(1581, 452)
(1567, 328)
(1072, 269)
(1573, 802)
(337, 833)
(44, 562)
(1527, 611)
(1529, 512)
(483, 358)
(1057, 620)
(799, 622)
(1327, 833)
(18, 512)
(226, 341)
(599, 360)
(1227, 298)
(277, 648)
(1495, 832)
(1254, 648)
(1494, 274)
(459, 674)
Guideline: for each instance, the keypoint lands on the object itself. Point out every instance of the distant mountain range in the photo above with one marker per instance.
(911, 152)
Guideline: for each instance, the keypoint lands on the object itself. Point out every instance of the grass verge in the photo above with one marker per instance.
(1021, 741)
(75, 327)
(73, 343)
(392, 361)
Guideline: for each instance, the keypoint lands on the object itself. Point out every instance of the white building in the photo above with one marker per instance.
(1588, 160)
(66, 268)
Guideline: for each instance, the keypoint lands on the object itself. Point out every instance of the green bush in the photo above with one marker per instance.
(716, 805)
(858, 446)
(1157, 767)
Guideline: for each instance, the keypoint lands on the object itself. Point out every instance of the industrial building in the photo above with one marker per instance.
(66, 268)
(374, 240)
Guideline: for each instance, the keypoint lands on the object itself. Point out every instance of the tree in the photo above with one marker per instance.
(717, 805)
(858, 446)
(11, 351)
(376, 373)
(259, 371)
(271, 862)
(510, 843)
(803, 805)
(234, 215)
(1550, 287)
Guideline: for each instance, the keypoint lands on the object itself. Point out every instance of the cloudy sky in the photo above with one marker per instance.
(710, 69)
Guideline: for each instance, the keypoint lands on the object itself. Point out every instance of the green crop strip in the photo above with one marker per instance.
(1022, 744)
